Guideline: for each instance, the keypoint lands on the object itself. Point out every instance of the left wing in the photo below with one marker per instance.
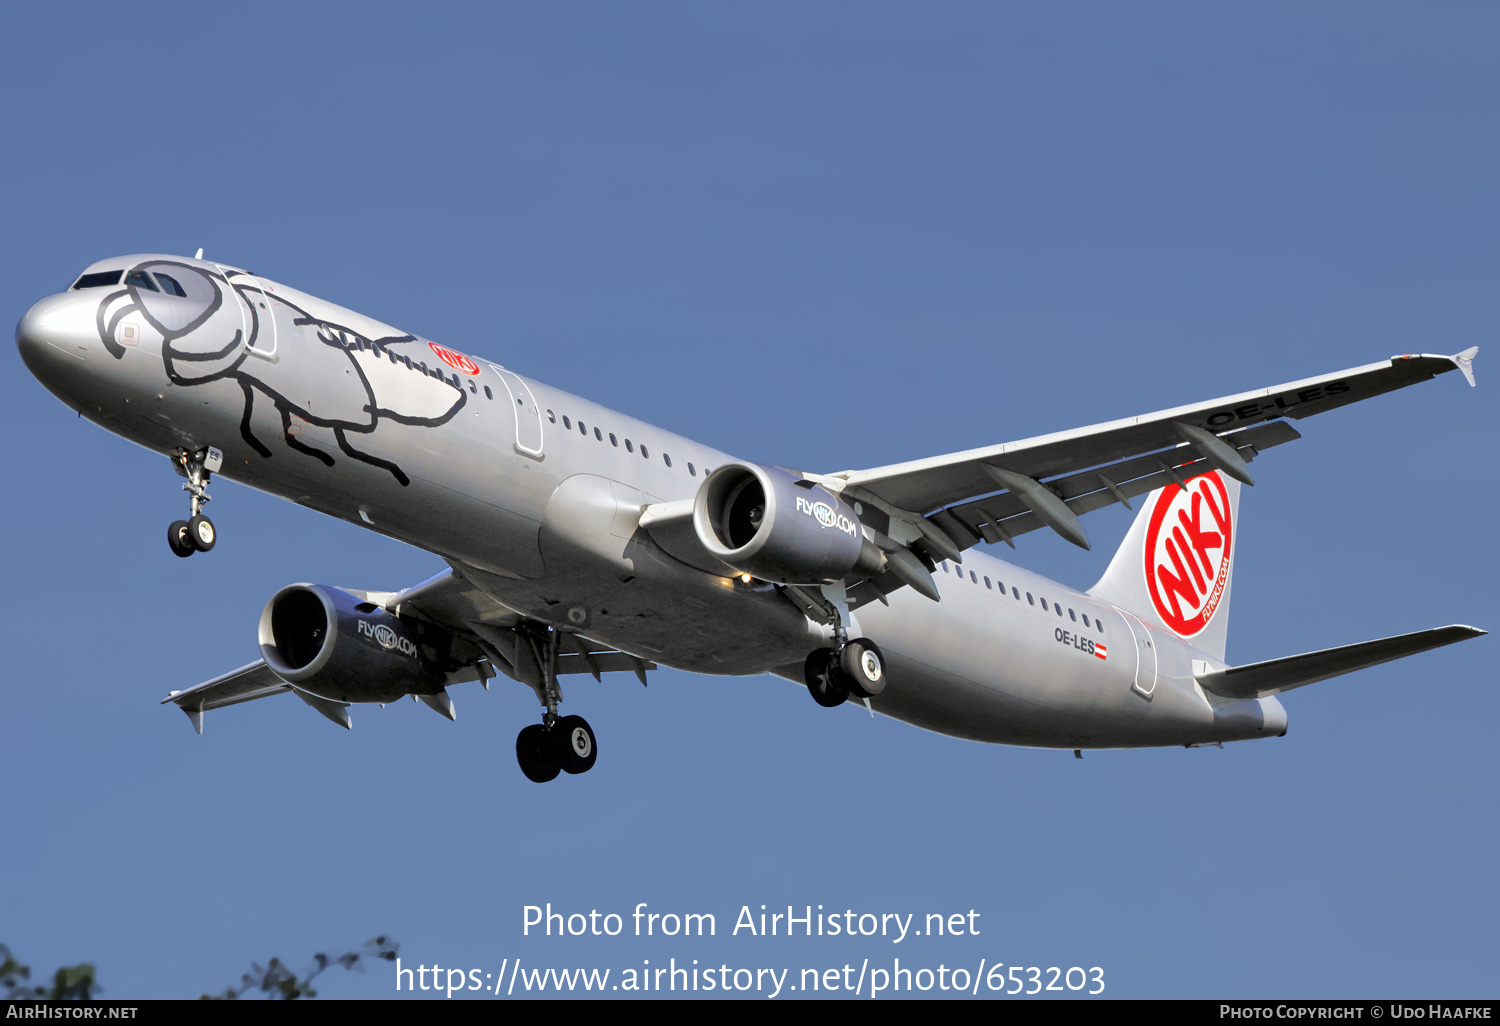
(488, 637)
(946, 504)
(242, 685)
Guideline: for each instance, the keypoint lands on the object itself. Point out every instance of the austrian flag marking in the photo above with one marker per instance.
(1189, 546)
(1100, 651)
(456, 360)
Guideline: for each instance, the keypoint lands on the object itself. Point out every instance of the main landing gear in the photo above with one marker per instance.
(197, 533)
(566, 745)
(848, 668)
(857, 669)
(559, 744)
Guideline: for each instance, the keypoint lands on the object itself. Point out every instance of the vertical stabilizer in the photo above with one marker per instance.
(1175, 567)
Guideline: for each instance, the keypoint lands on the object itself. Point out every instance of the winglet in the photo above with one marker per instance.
(1464, 361)
(196, 715)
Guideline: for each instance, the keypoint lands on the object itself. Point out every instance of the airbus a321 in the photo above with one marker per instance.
(580, 540)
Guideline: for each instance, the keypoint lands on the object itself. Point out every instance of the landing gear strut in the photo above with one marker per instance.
(197, 533)
(559, 744)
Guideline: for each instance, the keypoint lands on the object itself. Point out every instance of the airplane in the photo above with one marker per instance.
(580, 540)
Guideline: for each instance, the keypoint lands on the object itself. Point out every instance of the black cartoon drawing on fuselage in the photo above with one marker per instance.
(232, 325)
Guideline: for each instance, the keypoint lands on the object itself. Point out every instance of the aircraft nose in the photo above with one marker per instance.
(56, 339)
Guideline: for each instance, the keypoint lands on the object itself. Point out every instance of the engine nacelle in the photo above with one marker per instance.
(331, 644)
(775, 526)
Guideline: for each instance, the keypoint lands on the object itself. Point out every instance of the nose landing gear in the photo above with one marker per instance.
(197, 533)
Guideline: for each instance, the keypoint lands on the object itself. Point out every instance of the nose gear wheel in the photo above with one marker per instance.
(178, 540)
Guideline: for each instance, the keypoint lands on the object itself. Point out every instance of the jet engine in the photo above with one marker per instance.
(773, 525)
(331, 644)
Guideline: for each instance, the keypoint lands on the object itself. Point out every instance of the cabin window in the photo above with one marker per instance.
(666, 459)
(582, 430)
(98, 279)
(1029, 599)
(1044, 604)
(1058, 607)
(598, 435)
(487, 393)
(1086, 619)
(551, 417)
(973, 577)
(567, 423)
(691, 471)
(987, 584)
(613, 440)
(1072, 616)
(644, 453)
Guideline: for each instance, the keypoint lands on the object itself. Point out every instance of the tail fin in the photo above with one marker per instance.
(1175, 567)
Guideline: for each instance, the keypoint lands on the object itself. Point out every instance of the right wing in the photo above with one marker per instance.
(940, 506)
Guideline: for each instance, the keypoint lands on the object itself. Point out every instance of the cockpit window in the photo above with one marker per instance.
(170, 284)
(141, 280)
(97, 279)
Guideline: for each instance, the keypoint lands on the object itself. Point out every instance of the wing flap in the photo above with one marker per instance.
(1002, 517)
(1273, 676)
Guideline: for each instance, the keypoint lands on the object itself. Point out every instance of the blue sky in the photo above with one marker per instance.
(828, 235)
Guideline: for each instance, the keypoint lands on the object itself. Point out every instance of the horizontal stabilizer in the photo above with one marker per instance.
(1261, 680)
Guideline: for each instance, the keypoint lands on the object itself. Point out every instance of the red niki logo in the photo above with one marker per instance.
(1189, 542)
(458, 361)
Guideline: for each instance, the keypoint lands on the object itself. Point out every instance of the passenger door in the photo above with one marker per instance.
(528, 417)
(1145, 656)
